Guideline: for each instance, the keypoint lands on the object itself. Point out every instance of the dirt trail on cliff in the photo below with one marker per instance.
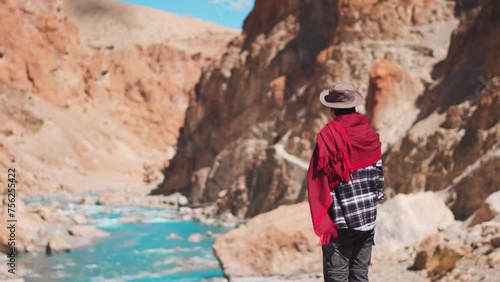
(281, 152)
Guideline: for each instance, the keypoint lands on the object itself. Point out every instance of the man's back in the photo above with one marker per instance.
(355, 202)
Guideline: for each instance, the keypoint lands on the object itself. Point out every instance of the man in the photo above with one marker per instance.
(345, 181)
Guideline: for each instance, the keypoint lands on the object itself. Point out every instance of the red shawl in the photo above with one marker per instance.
(337, 154)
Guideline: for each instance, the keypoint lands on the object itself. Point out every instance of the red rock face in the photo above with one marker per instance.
(27, 24)
(140, 91)
(266, 14)
(471, 60)
(232, 94)
(151, 84)
(390, 103)
(262, 96)
(458, 150)
(42, 52)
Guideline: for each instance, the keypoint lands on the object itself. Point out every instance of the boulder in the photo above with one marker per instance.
(474, 237)
(279, 242)
(48, 214)
(438, 254)
(57, 245)
(182, 200)
(495, 242)
(86, 231)
(80, 219)
(195, 238)
(490, 228)
(406, 219)
(494, 259)
(129, 219)
(110, 199)
(173, 236)
(186, 213)
(175, 199)
(443, 260)
(227, 219)
(27, 230)
(489, 210)
(482, 234)
(425, 251)
(88, 200)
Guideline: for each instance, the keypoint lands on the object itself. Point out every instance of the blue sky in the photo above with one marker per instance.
(230, 13)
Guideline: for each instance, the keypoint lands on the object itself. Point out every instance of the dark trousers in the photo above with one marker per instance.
(347, 257)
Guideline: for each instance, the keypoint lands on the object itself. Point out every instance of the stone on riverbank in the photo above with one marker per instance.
(87, 231)
(130, 219)
(80, 219)
(57, 245)
(280, 242)
(195, 238)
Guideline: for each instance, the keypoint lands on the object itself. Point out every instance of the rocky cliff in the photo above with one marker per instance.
(454, 142)
(250, 125)
(430, 74)
(82, 109)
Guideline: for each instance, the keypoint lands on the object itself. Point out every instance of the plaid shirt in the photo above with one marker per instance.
(355, 202)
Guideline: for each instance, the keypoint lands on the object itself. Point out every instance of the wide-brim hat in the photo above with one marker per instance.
(341, 95)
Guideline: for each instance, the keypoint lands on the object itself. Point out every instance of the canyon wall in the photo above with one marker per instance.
(82, 112)
(250, 125)
(453, 145)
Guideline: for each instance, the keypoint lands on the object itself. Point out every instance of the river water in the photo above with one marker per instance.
(155, 249)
